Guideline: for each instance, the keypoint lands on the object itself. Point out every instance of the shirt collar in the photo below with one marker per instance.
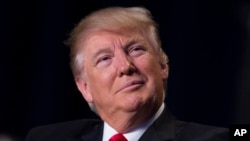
(134, 135)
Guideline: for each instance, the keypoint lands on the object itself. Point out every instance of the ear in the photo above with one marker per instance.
(83, 87)
(164, 71)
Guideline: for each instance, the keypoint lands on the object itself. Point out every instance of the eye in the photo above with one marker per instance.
(137, 50)
(103, 60)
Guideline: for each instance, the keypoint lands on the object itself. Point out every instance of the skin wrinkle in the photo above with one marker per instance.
(135, 101)
(84, 37)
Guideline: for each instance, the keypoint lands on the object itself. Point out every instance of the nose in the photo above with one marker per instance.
(125, 65)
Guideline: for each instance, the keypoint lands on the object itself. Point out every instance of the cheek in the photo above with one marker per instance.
(101, 80)
(149, 66)
(153, 73)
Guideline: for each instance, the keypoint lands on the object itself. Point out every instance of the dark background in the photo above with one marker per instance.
(208, 43)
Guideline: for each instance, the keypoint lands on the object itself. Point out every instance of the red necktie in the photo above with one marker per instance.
(118, 137)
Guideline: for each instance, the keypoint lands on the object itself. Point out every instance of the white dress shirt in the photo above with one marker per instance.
(134, 135)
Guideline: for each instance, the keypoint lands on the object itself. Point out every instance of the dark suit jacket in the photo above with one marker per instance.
(165, 128)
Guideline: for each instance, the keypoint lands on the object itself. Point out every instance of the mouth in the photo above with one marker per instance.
(132, 85)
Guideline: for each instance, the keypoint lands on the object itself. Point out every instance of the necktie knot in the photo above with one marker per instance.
(118, 137)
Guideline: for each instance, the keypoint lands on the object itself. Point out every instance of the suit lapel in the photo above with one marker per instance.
(163, 129)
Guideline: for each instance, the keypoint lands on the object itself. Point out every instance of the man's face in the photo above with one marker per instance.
(122, 73)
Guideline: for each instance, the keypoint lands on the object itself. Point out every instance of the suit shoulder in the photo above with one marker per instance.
(201, 132)
(62, 130)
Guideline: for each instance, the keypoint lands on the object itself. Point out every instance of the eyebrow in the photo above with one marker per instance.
(133, 41)
(100, 51)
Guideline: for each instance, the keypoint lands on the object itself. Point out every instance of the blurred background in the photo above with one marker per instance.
(208, 43)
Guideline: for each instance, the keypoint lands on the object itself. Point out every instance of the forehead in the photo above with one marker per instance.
(106, 37)
(103, 39)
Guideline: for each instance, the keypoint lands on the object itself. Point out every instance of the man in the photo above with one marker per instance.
(120, 69)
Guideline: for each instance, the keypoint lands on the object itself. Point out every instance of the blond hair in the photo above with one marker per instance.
(115, 19)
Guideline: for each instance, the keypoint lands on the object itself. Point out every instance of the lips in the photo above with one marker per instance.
(132, 85)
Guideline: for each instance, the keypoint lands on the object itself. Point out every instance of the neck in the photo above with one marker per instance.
(124, 122)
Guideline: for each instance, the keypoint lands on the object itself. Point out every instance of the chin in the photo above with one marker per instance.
(134, 106)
